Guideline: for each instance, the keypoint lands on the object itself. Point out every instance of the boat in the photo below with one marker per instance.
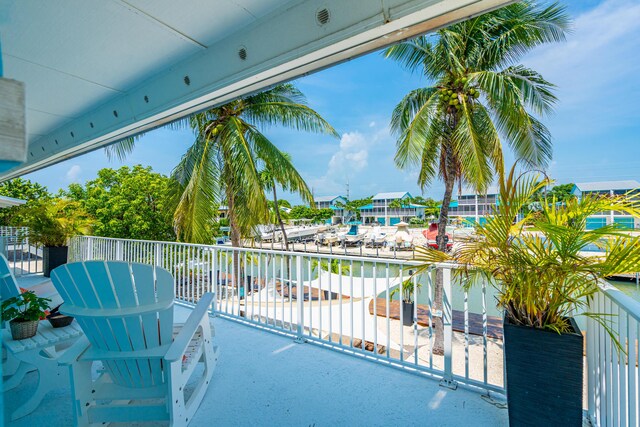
(432, 232)
(327, 238)
(402, 239)
(268, 233)
(304, 233)
(375, 238)
(353, 237)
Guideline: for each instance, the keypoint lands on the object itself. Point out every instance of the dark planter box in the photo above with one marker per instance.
(544, 376)
(407, 313)
(52, 257)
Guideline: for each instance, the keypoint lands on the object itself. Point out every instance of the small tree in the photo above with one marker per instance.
(23, 189)
(52, 222)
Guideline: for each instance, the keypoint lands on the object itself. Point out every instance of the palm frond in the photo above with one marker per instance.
(120, 150)
(196, 192)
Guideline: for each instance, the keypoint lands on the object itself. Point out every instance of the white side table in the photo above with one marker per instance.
(41, 351)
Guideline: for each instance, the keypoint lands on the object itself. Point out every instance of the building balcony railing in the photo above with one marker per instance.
(354, 312)
(303, 296)
(24, 256)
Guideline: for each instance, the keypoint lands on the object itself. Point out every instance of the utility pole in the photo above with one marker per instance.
(348, 190)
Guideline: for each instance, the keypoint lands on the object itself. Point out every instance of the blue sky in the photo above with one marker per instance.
(595, 128)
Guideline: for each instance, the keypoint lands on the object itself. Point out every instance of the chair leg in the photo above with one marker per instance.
(209, 358)
(17, 377)
(50, 374)
(81, 386)
(9, 364)
(177, 410)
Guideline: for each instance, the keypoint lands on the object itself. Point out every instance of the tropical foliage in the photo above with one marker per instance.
(225, 161)
(432, 207)
(541, 273)
(129, 203)
(52, 222)
(407, 290)
(334, 266)
(562, 192)
(271, 178)
(23, 189)
(25, 307)
(476, 94)
(353, 206)
(313, 214)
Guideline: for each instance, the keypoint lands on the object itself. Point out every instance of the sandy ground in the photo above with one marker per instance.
(350, 321)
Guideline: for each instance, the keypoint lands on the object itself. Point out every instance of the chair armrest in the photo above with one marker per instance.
(153, 353)
(73, 353)
(182, 340)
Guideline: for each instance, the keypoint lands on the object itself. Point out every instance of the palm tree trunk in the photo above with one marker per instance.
(234, 230)
(450, 178)
(279, 217)
(236, 241)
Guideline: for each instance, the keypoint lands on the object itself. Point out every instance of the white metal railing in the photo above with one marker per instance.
(24, 256)
(296, 294)
(613, 397)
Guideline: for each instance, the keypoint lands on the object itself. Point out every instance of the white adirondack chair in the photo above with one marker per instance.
(126, 313)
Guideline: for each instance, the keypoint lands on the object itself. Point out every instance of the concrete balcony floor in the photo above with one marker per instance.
(266, 379)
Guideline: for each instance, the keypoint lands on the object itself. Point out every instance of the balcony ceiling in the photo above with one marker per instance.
(97, 71)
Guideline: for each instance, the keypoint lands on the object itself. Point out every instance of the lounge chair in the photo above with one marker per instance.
(126, 312)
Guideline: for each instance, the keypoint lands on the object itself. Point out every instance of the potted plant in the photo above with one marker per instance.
(24, 313)
(51, 223)
(543, 279)
(407, 301)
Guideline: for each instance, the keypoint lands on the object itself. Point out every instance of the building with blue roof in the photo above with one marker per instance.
(336, 203)
(384, 211)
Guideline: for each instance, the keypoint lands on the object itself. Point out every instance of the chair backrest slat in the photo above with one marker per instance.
(118, 285)
(146, 295)
(121, 275)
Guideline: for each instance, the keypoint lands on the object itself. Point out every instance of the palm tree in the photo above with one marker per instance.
(477, 93)
(271, 178)
(225, 160)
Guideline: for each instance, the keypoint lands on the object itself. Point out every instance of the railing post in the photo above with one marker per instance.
(591, 364)
(89, 249)
(119, 256)
(299, 300)
(447, 324)
(158, 254)
(213, 277)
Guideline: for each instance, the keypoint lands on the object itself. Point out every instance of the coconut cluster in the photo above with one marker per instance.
(454, 92)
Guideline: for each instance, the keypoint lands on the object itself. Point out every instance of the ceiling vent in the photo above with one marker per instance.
(242, 53)
(323, 16)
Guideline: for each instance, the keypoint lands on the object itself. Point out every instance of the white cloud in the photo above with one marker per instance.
(73, 173)
(352, 156)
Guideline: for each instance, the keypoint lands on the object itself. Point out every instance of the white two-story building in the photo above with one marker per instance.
(608, 188)
(471, 208)
(385, 209)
